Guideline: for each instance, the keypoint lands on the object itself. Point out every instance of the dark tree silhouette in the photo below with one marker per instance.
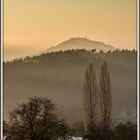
(126, 131)
(90, 97)
(5, 128)
(105, 96)
(35, 120)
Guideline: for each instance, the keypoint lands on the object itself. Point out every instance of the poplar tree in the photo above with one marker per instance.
(105, 96)
(90, 97)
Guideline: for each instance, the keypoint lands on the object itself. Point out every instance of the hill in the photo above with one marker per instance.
(81, 43)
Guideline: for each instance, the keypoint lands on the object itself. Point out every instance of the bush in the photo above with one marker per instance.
(126, 131)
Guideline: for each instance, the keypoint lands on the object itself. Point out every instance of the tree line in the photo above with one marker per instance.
(72, 54)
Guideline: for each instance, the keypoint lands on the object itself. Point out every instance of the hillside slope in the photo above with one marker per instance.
(81, 43)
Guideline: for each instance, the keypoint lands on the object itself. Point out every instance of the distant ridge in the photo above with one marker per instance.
(81, 43)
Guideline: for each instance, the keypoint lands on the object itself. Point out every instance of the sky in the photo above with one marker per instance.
(31, 26)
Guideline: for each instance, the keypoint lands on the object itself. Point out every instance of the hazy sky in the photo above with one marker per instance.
(31, 26)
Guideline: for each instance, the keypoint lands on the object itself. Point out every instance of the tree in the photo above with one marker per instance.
(90, 97)
(35, 120)
(93, 50)
(105, 96)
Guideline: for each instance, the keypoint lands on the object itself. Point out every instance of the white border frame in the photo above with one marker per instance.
(137, 40)
(2, 55)
(2, 46)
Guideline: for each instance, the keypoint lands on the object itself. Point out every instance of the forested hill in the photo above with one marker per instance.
(78, 56)
(60, 77)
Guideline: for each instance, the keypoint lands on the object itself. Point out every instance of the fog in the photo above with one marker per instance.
(60, 76)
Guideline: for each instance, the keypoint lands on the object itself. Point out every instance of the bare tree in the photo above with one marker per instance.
(35, 120)
(105, 96)
(90, 97)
